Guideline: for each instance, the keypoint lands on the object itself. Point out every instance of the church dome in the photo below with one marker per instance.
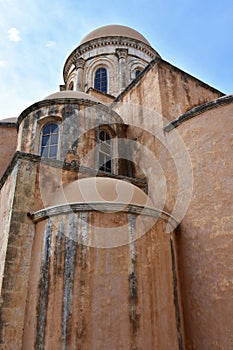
(108, 59)
(71, 94)
(9, 120)
(100, 190)
(114, 30)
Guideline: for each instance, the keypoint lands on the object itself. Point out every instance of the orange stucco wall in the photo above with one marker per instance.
(97, 298)
(204, 244)
(181, 92)
(59, 290)
(8, 142)
(161, 95)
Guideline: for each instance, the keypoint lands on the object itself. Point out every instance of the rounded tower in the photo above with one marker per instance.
(107, 59)
(72, 126)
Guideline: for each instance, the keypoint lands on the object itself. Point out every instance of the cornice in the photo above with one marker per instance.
(8, 124)
(69, 166)
(106, 41)
(160, 62)
(64, 101)
(107, 207)
(198, 110)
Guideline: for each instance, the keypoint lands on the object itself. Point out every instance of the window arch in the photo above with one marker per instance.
(49, 140)
(105, 152)
(71, 86)
(101, 80)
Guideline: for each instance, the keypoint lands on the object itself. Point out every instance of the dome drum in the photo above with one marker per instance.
(107, 44)
(96, 46)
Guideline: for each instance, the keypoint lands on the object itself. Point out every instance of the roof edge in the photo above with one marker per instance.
(52, 102)
(107, 207)
(159, 60)
(221, 101)
(86, 171)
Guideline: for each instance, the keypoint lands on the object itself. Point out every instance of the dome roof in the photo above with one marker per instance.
(100, 189)
(114, 30)
(71, 94)
(9, 120)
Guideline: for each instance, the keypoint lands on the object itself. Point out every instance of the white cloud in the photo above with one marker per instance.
(50, 43)
(2, 63)
(14, 34)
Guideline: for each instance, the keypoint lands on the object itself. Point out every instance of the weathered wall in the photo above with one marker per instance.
(141, 104)
(58, 290)
(18, 254)
(197, 153)
(163, 91)
(8, 142)
(6, 201)
(74, 118)
(141, 110)
(205, 242)
(104, 98)
(94, 298)
(181, 92)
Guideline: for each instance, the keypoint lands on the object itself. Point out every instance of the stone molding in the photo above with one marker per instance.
(122, 53)
(100, 61)
(79, 63)
(8, 124)
(106, 207)
(70, 166)
(65, 101)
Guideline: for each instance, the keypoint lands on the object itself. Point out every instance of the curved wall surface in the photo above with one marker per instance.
(85, 296)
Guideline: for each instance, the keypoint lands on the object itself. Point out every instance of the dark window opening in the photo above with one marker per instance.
(101, 79)
(137, 72)
(49, 141)
(105, 157)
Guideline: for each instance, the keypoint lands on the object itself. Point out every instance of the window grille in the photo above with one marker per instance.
(101, 80)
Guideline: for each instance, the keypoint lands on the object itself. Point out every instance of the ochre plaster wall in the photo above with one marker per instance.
(204, 243)
(18, 253)
(181, 92)
(8, 142)
(196, 165)
(100, 298)
(6, 201)
(74, 118)
(163, 91)
(141, 105)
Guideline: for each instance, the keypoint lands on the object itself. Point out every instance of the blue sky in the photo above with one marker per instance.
(36, 37)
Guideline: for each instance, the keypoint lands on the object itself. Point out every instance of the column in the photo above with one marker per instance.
(79, 65)
(122, 57)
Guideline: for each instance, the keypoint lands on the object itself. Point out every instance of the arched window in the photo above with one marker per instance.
(101, 80)
(105, 156)
(137, 72)
(49, 141)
